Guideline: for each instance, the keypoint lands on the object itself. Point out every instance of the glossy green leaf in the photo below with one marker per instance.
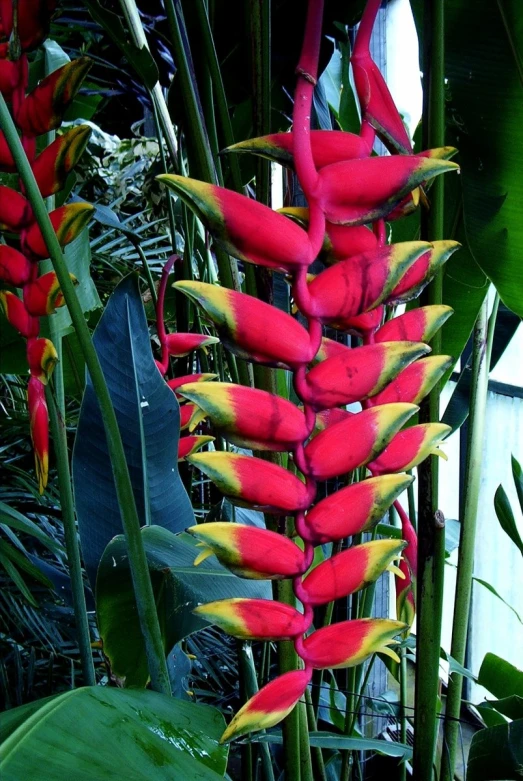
(492, 590)
(506, 517)
(179, 587)
(490, 716)
(512, 706)
(344, 743)
(15, 520)
(517, 474)
(149, 420)
(501, 678)
(496, 753)
(99, 732)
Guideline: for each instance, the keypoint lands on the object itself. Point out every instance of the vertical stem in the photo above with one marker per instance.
(403, 711)
(482, 343)
(71, 539)
(138, 563)
(431, 550)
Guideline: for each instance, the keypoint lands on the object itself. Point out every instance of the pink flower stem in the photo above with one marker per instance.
(163, 364)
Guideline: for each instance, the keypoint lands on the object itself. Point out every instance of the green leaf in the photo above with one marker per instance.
(16, 520)
(512, 706)
(501, 678)
(490, 716)
(517, 474)
(100, 732)
(506, 517)
(492, 590)
(496, 753)
(179, 587)
(149, 420)
(485, 84)
(344, 743)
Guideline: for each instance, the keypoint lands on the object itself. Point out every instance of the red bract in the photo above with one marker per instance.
(15, 268)
(18, 316)
(41, 358)
(255, 619)
(39, 422)
(15, 210)
(418, 325)
(414, 382)
(33, 17)
(44, 295)
(351, 642)
(53, 165)
(410, 447)
(68, 222)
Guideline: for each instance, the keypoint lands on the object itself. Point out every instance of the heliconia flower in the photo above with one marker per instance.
(39, 422)
(246, 229)
(249, 417)
(189, 445)
(328, 146)
(7, 164)
(358, 373)
(368, 433)
(44, 296)
(44, 107)
(418, 325)
(354, 509)
(270, 705)
(33, 20)
(422, 271)
(253, 482)
(188, 416)
(362, 282)
(340, 241)
(179, 345)
(57, 160)
(200, 377)
(15, 210)
(359, 191)
(15, 268)
(350, 571)
(68, 222)
(410, 447)
(414, 382)
(377, 106)
(42, 358)
(243, 322)
(254, 619)
(349, 643)
(18, 316)
(249, 552)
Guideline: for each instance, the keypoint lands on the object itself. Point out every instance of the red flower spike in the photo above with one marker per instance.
(249, 417)
(39, 422)
(189, 445)
(44, 107)
(368, 433)
(360, 191)
(341, 242)
(57, 160)
(418, 325)
(270, 705)
(251, 482)
(362, 282)
(414, 382)
(42, 358)
(68, 222)
(350, 643)
(358, 373)
(350, 571)
(15, 268)
(257, 554)
(410, 447)
(44, 295)
(15, 210)
(244, 228)
(32, 21)
(328, 146)
(179, 345)
(186, 378)
(188, 416)
(18, 316)
(354, 509)
(241, 321)
(254, 619)
(422, 272)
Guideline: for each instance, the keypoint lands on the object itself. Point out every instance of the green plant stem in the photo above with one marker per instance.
(319, 773)
(403, 705)
(72, 547)
(482, 346)
(138, 563)
(135, 26)
(306, 773)
(287, 661)
(431, 537)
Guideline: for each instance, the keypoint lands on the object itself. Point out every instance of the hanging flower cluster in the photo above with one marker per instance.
(23, 26)
(349, 194)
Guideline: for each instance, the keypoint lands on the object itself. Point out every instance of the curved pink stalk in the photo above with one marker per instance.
(163, 364)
